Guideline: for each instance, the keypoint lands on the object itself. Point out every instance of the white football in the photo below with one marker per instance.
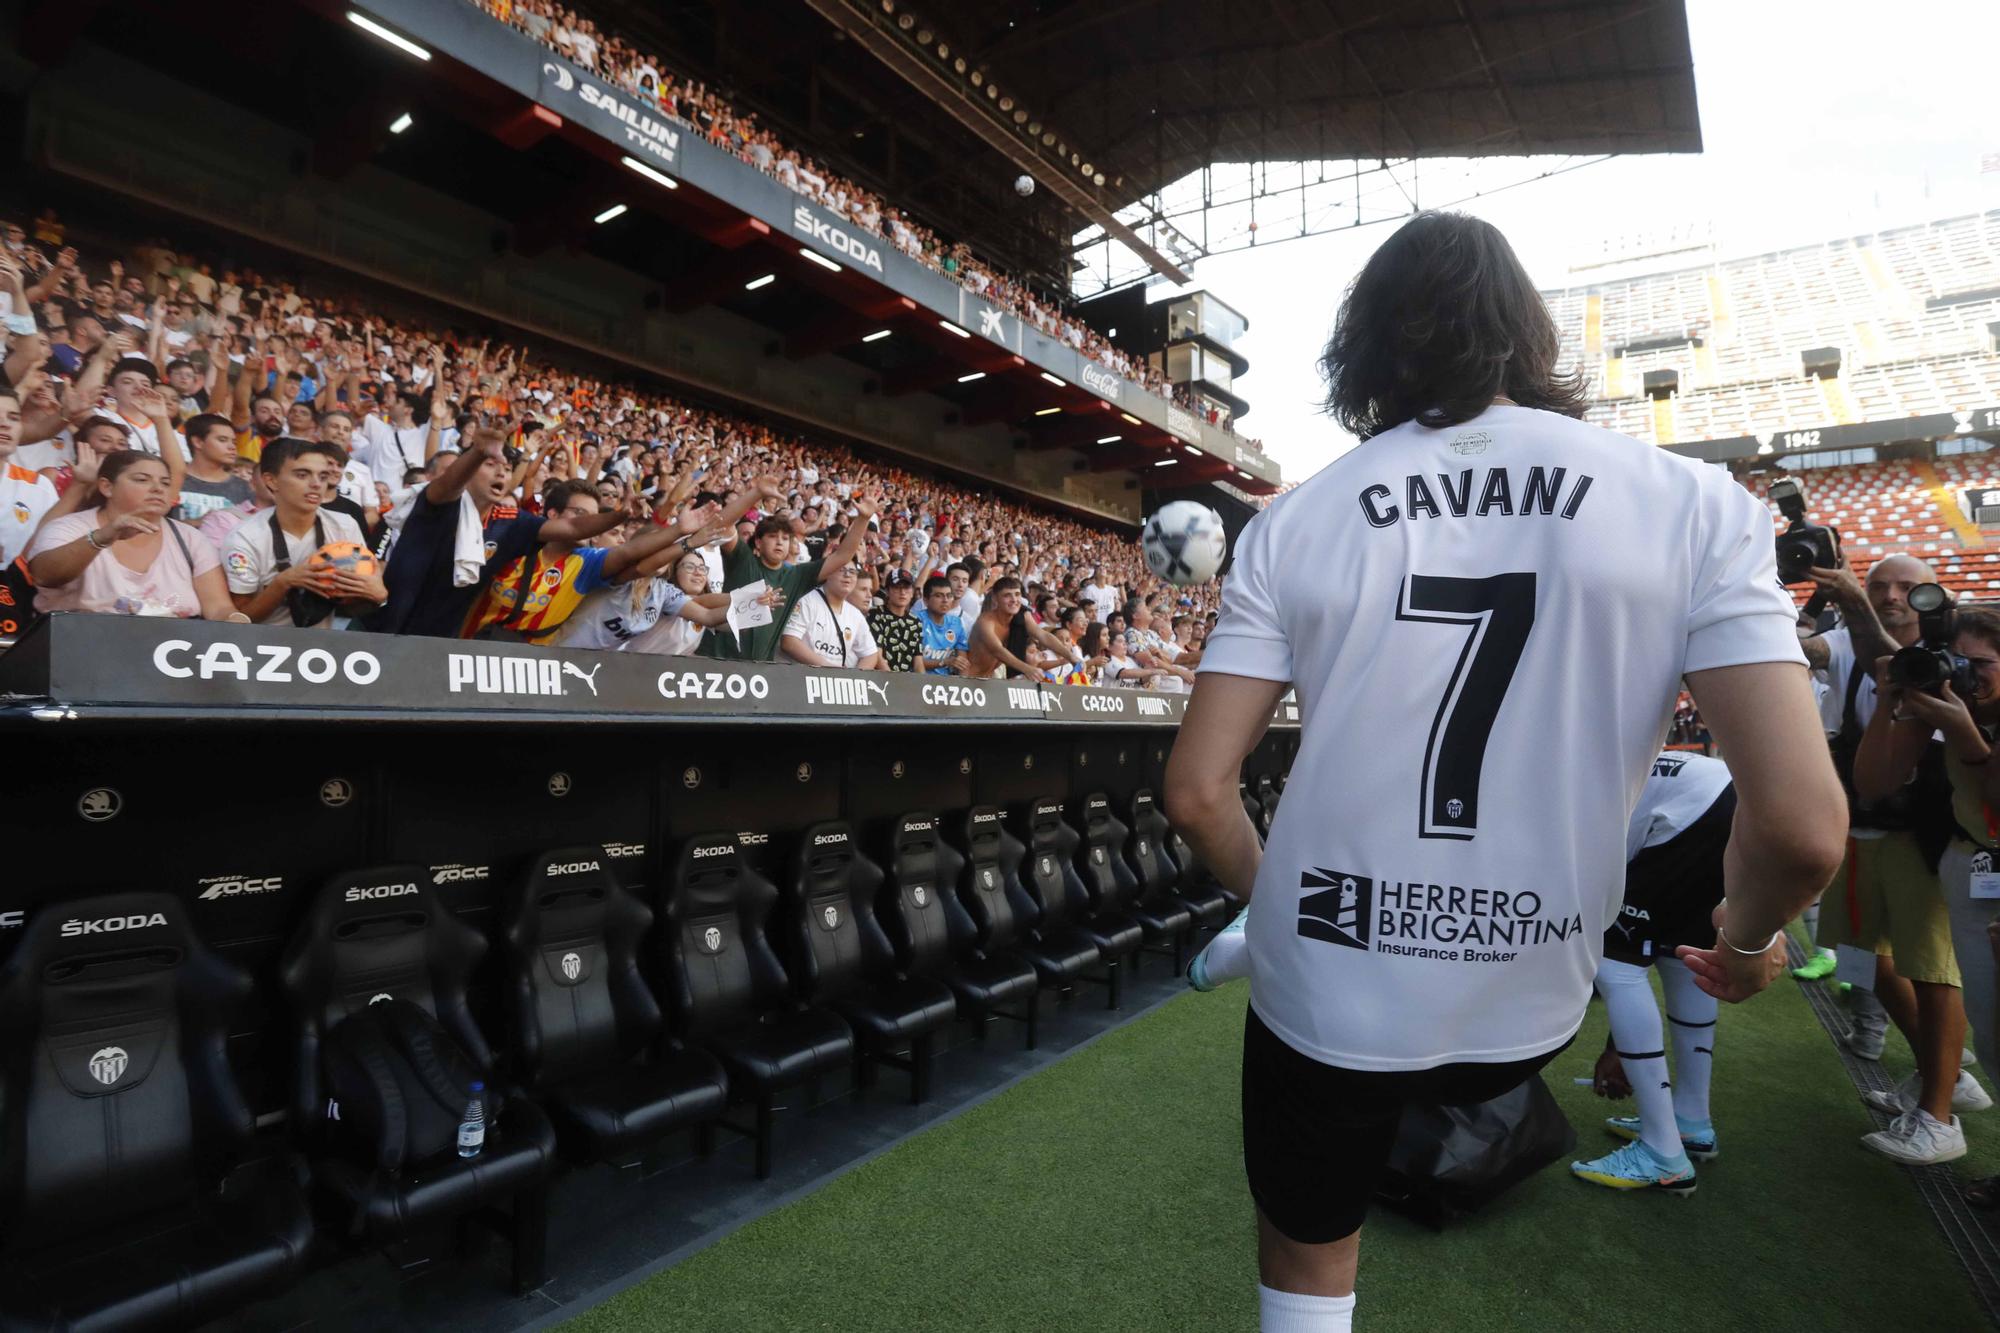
(1184, 543)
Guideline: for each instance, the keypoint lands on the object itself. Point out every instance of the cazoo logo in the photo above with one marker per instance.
(274, 663)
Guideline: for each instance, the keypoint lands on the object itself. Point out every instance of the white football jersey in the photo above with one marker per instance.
(25, 500)
(1680, 788)
(1486, 626)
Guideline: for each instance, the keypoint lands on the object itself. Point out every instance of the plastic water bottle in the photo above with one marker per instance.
(472, 1129)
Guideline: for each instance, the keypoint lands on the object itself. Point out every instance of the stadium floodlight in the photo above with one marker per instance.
(1111, 439)
(1168, 462)
(950, 327)
(395, 39)
(878, 335)
(1060, 384)
(615, 211)
(1129, 417)
(1047, 411)
(658, 178)
(1245, 475)
(975, 375)
(764, 281)
(401, 123)
(819, 259)
(1188, 448)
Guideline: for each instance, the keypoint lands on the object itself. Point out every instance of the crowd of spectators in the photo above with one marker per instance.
(192, 438)
(695, 104)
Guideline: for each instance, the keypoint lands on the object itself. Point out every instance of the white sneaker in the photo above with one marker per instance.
(1967, 1095)
(1915, 1139)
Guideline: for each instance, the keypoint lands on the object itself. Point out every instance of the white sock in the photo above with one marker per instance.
(1811, 919)
(1227, 956)
(1640, 1043)
(1691, 1012)
(1294, 1312)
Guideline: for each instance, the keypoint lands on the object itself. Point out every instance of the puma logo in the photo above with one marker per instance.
(590, 679)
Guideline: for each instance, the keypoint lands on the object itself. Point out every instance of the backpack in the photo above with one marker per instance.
(399, 1085)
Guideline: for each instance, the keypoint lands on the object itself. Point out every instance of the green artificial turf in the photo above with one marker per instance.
(1107, 1193)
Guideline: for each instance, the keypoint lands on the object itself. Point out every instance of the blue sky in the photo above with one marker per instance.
(1818, 121)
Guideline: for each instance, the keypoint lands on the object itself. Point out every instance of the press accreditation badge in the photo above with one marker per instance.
(1855, 966)
(1983, 882)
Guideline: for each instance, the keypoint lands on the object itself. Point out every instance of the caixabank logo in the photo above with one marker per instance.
(1445, 922)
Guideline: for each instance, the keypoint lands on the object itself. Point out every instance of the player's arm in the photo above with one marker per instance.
(1791, 816)
(1226, 717)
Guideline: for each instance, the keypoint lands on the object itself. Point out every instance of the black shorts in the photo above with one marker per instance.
(1671, 890)
(1316, 1137)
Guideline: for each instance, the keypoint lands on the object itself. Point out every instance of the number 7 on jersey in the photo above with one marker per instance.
(1499, 611)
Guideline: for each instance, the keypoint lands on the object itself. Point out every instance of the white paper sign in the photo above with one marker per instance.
(1986, 885)
(745, 611)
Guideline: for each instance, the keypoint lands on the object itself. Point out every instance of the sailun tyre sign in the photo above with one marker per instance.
(620, 116)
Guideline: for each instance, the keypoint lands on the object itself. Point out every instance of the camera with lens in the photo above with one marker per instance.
(1930, 663)
(1804, 545)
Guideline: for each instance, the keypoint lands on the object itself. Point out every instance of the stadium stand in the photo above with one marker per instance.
(1890, 426)
(576, 37)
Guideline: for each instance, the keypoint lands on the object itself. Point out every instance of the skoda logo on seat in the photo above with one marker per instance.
(559, 784)
(917, 895)
(896, 770)
(336, 792)
(108, 1065)
(831, 916)
(1048, 866)
(986, 876)
(572, 966)
(712, 938)
(99, 804)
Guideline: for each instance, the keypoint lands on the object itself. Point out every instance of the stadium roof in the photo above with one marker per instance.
(1156, 89)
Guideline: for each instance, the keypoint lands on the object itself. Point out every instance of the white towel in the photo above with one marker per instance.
(468, 545)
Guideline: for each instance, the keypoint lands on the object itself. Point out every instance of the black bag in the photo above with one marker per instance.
(1451, 1160)
(399, 1086)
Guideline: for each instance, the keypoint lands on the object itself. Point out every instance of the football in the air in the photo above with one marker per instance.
(352, 557)
(1184, 543)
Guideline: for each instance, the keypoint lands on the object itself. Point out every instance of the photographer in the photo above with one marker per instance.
(1886, 897)
(1962, 708)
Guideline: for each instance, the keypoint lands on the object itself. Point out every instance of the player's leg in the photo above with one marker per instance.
(1849, 914)
(1224, 958)
(1691, 1025)
(1304, 1288)
(1316, 1140)
(1821, 964)
(1656, 1158)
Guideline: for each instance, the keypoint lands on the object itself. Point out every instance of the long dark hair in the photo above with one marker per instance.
(113, 466)
(1440, 322)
